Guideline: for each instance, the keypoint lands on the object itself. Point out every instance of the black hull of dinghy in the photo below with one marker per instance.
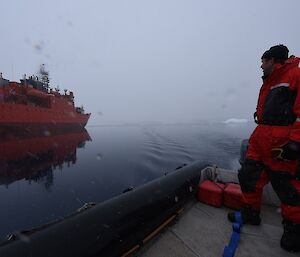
(115, 226)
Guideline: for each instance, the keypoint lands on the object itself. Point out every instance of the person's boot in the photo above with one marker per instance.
(290, 239)
(248, 215)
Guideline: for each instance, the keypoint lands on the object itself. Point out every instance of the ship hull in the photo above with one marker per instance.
(18, 115)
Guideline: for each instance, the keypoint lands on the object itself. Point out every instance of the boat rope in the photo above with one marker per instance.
(229, 250)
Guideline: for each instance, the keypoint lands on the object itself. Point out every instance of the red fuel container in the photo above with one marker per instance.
(211, 193)
(233, 196)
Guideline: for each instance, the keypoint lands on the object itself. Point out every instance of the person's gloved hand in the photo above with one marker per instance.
(288, 152)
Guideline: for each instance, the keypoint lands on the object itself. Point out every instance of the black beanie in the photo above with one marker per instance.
(279, 52)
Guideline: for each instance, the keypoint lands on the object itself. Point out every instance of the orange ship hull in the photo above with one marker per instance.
(20, 115)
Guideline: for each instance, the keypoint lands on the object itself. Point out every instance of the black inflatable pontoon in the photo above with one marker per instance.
(114, 227)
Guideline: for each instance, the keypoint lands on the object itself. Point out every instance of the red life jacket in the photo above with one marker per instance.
(279, 97)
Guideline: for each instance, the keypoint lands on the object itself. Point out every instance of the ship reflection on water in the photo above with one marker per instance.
(34, 154)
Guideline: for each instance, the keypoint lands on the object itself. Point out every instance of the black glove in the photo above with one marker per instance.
(288, 152)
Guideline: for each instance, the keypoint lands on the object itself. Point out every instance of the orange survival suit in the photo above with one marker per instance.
(278, 118)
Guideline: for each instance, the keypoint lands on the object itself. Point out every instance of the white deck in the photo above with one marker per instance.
(204, 230)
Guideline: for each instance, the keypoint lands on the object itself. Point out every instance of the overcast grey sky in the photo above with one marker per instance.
(149, 60)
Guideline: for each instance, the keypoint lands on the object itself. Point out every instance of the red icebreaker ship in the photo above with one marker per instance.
(33, 103)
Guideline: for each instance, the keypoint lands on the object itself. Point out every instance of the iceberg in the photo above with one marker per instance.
(235, 121)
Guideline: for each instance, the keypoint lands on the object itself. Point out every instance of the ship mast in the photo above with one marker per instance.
(44, 75)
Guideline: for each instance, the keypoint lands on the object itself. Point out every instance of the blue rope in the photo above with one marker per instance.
(229, 250)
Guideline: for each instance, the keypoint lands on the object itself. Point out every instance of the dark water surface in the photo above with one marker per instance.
(43, 178)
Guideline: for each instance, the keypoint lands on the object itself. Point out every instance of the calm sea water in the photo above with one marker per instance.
(43, 178)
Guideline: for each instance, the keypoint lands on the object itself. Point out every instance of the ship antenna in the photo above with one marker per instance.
(44, 75)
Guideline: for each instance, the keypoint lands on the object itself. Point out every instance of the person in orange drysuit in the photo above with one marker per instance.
(274, 147)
